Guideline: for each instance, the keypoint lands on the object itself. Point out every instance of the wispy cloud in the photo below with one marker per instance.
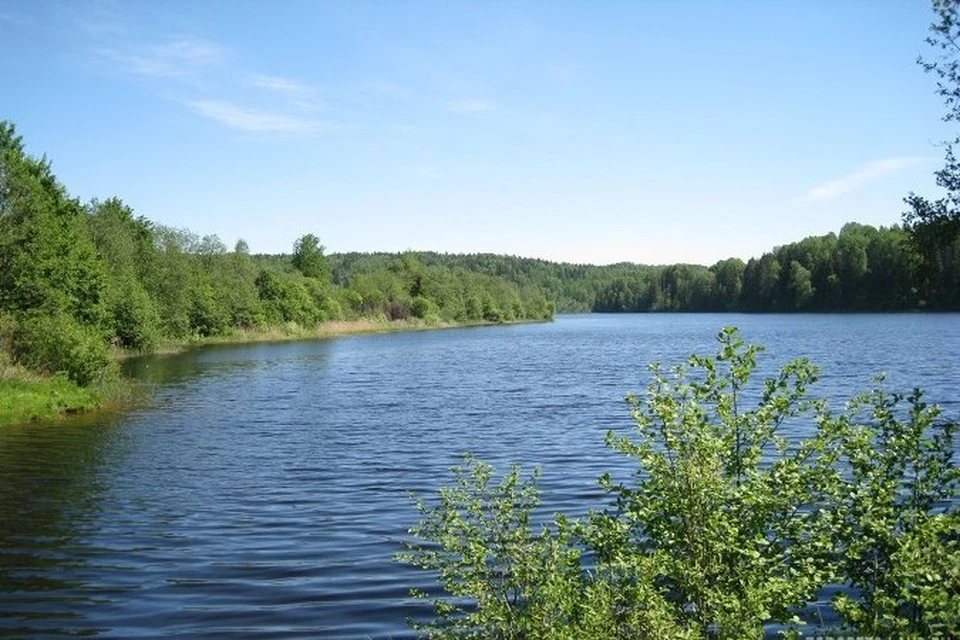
(864, 175)
(255, 120)
(472, 105)
(179, 58)
(277, 83)
(301, 95)
(194, 66)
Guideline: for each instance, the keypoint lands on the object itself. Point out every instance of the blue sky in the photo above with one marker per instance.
(647, 131)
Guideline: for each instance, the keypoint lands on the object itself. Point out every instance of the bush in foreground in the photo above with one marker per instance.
(728, 528)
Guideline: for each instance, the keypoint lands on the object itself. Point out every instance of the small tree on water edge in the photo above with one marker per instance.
(729, 526)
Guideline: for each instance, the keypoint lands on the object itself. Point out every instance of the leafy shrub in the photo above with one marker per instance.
(491, 311)
(350, 302)
(207, 316)
(424, 308)
(286, 300)
(899, 536)
(134, 318)
(728, 526)
(58, 343)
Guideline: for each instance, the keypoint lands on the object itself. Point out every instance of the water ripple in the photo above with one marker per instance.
(266, 491)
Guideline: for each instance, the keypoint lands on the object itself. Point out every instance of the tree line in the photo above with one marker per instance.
(77, 278)
(863, 268)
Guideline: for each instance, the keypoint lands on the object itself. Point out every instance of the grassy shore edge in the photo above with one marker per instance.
(324, 330)
(26, 396)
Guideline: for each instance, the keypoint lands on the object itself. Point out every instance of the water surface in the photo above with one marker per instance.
(264, 490)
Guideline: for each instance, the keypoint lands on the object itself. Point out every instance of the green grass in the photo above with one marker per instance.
(31, 397)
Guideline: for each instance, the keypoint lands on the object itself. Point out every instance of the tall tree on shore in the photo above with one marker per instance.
(308, 257)
(934, 225)
(47, 258)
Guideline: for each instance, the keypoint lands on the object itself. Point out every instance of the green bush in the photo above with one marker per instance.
(727, 527)
(285, 299)
(58, 343)
(897, 543)
(424, 308)
(207, 316)
(134, 318)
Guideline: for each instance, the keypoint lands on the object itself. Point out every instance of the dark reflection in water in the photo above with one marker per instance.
(264, 491)
(50, 488)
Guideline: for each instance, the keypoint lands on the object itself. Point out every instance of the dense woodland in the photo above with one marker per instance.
(861, 269)
(915, 266)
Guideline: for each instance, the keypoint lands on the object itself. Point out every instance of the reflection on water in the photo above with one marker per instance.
(264, 491)
(51, 488)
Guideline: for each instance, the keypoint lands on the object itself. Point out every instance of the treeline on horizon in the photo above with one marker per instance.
(77, 278)
(864, 268)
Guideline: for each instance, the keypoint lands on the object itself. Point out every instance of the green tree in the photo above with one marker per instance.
(308, 257)
(934, 225)
(126, 244)
(47, 257)
(801, 286)
(729, 279)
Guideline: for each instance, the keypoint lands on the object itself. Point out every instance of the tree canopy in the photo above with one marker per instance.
(934, 225)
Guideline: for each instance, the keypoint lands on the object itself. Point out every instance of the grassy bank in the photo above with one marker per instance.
(333, 329)
(26, 396)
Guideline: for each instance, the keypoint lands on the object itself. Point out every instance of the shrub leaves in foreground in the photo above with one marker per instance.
(729, 526)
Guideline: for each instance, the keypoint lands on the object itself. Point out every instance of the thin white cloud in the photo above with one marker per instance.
(299, 94)
(472, 105)
(255, 120)
(178, 58)
(280, 84)
(864, 175)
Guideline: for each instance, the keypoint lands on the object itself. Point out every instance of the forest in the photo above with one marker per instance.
(863, 268)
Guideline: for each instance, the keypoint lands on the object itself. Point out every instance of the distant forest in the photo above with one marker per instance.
(862, 269)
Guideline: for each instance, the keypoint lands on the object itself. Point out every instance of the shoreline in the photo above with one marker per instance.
(30, 397)
(322, 331)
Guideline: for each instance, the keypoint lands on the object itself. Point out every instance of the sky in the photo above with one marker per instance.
(646, 131)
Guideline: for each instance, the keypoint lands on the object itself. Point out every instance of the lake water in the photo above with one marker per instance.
(264, 490)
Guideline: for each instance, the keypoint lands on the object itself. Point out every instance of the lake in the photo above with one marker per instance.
(264, 489)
